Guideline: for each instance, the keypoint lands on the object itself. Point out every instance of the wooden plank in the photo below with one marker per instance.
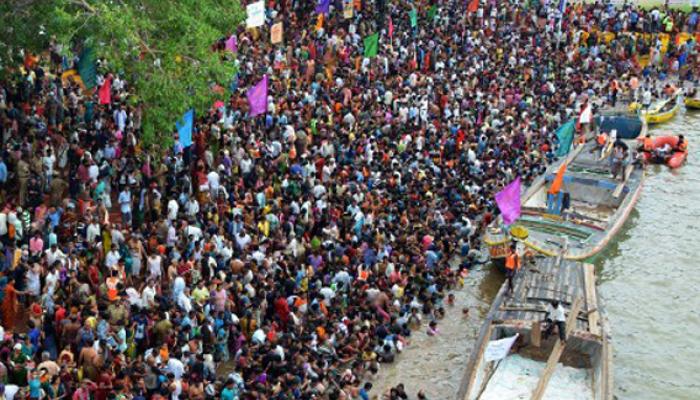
(621, 185)
(536, 333)
(591, 300)
(556, 353)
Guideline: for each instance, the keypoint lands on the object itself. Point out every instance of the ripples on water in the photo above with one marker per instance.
(649, 281)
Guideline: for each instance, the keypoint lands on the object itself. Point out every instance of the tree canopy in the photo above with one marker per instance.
(162, 48)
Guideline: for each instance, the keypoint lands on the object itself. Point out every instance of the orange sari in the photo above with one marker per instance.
(9, 307)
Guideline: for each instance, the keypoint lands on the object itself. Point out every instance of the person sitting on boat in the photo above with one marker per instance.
(681, 145)
(556, 316)
(618, 157)
(662, 154)
(512, 266)
(647, 144)
(601, 140)
(669, 90)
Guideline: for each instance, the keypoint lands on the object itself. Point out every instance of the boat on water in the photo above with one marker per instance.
(674, 159)
(692, 99)
(692, 103)
(534, 366)
(591, 207)
(662, 111)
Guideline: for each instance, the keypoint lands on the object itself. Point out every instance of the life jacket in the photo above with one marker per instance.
(602, 138)
(513, 261)
(648, 144)
(683, 146)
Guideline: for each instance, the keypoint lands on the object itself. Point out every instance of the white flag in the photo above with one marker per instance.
(586, 115)
(498, 349)
(256, 14)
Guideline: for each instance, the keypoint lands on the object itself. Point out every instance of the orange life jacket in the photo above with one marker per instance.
(513, 261)
(648, 144)
(602, 138)
(683, 146)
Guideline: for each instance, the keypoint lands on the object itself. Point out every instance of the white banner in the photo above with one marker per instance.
(499, 349)
(256, 14)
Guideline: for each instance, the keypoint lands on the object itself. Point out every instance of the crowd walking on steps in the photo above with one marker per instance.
(291, 254)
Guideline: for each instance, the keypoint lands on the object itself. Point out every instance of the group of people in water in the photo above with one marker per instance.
(291, 254)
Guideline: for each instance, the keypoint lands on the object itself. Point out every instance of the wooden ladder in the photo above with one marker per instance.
(556, 352)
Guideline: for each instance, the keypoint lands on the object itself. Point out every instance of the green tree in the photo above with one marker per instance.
(163, 48)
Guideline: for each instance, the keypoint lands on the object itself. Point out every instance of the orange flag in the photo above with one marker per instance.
(473, 6)
(558, 180)
(319, 22)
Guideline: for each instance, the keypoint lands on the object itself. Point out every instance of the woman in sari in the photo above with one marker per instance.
(9, 305)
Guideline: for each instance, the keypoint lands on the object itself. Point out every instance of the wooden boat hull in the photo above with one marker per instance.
(598, 210)
(588, 342)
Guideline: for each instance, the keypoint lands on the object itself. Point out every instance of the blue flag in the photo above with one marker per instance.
(562, 6)
(184, 128)
(323, 6)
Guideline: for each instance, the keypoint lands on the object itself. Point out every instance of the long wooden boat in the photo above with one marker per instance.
(536, 367)
(588, 212)
(663, 112)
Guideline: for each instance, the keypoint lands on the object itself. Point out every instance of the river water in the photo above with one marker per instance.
(648, 280)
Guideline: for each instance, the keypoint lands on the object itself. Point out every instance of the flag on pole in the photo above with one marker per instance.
(562, 6)
(508, 201)
(257, 97)
(558, 180)
(586, 114)
(473, 6)
(413, 16)
(391, 28)
(323, 6)
(319, 22)
(371, 43)
(432, 12)
(185, 127)
(348, 9)
(87, 68)
(232, 44)
(499, 349)
(105, 91)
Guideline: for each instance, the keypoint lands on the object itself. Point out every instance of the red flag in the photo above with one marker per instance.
(105, 91)
(558, 180)
(391, 28)
(473, 6)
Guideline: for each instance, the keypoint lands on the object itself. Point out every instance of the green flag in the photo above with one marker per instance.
(414, 18)
(371, 45)
(87, 68)
(432, 12)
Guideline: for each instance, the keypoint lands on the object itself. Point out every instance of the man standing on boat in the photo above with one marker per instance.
(556, 316)
(512, 266)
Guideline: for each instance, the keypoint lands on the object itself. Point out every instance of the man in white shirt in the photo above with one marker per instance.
(173, 208)
(556, 316)
(55, 254)
(125, 205)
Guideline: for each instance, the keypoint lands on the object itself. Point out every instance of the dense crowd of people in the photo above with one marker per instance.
(289, 255)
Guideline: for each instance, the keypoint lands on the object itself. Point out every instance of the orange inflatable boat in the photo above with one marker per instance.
(674, 158)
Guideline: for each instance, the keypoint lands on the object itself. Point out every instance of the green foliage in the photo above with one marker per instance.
(162, 48)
